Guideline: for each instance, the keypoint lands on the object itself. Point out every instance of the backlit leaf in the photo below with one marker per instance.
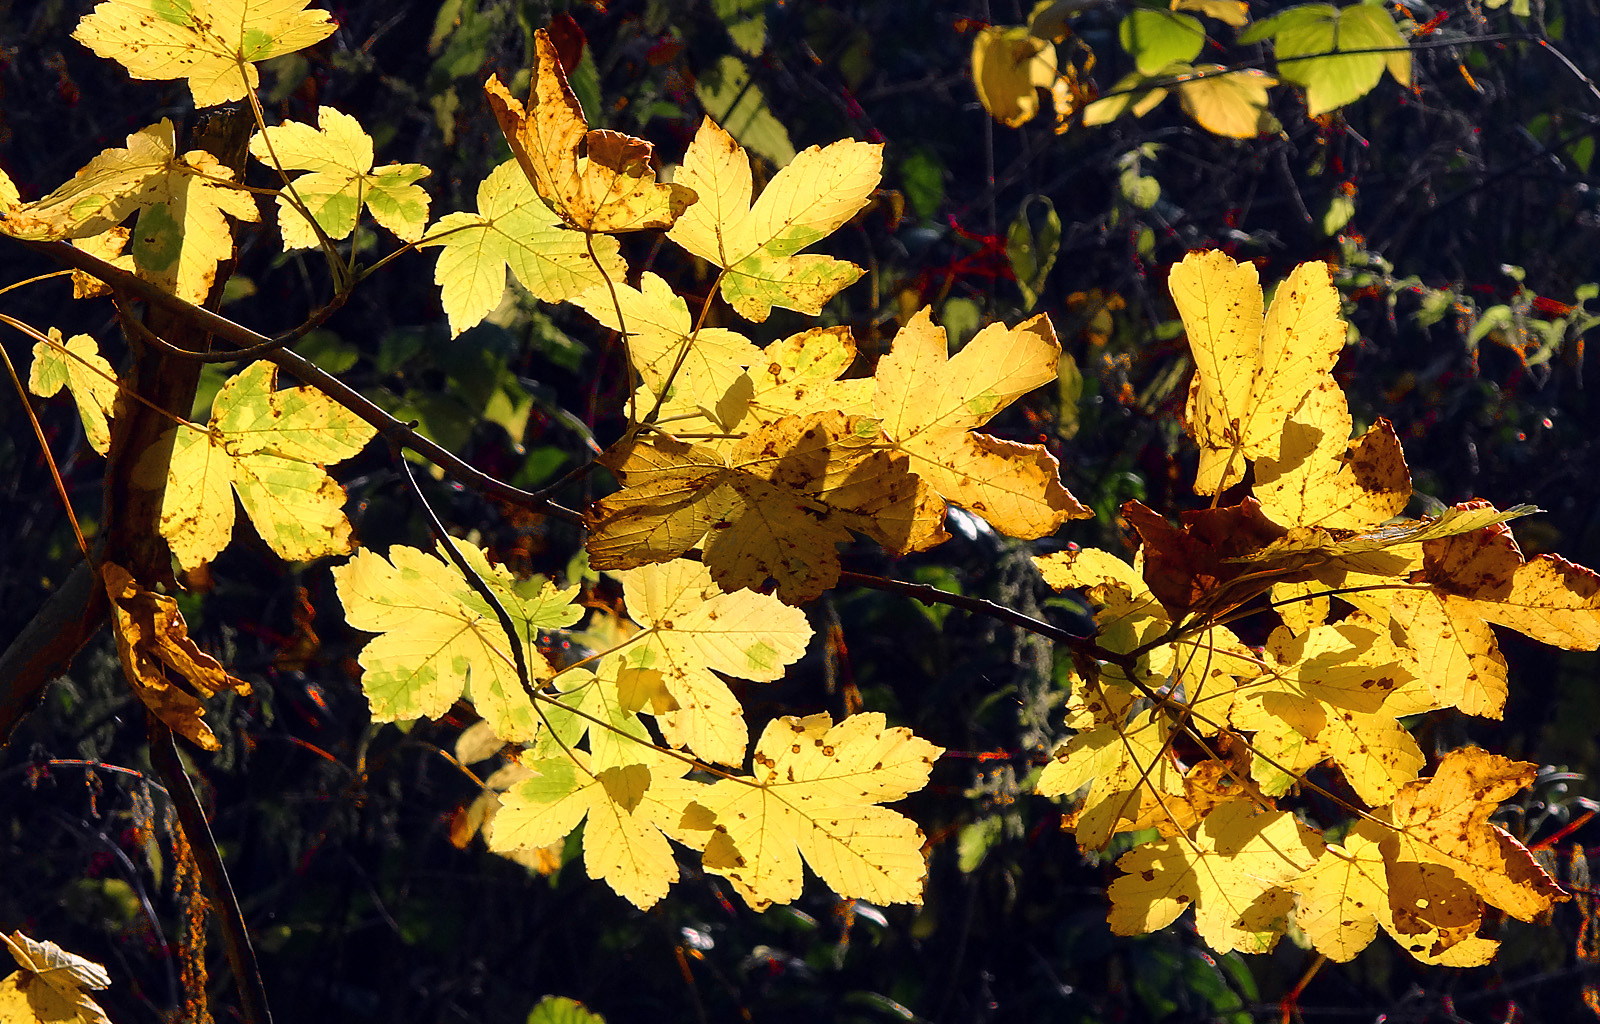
(815, 795)
(759, 246)
(513, 229)
(77, 365)
(212, 43)
(269, 446)
(338, 155)
(930, 403)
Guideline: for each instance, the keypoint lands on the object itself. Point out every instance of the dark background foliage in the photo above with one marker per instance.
(337, 833)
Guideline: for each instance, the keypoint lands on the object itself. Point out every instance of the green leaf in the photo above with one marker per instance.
(1032, 249)
(1156, 38)
(1311, 46)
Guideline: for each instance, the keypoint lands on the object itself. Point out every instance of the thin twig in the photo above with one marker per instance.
(235, 936)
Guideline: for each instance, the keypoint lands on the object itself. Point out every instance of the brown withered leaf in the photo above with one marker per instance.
(153, 641)
(596, 181)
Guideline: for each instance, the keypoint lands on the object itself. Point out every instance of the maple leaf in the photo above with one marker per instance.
(815, 795)
(212, 43)
(338, 155)
(439, 640)
(108, 245)
(604, 707)
(1133, 781)
(1252, 372)
(1443, 858)
(181, 234)
(152, 639)
(611, 186)
(692, 628)
(625, 840)
(513, 229)
(1324, 699)
(1319, 477)
(269, 446)
(77, 365)
(702, 365)
(759, 246)
(775, 505)
(930, 403)
(99, 196)
(1233, 872)
(50, 987)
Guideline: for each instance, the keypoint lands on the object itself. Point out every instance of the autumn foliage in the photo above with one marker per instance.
(742, 471)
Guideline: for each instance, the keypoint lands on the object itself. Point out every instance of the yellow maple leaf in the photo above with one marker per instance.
(50, 986)
(1009, 66)
(1134, 782)
(438, 639)
(931, 403)
(77, 365)
(796, 376)
(108, 245)
(611, 186)
(1324, 699)
(603, 707)
(152, 640)
(212, 43)
(702, 365)
(1342, 898)
(759, 246)
(1319, 477)
(775, 505)
(693, 628)
(625, 840)
(182, 234)
(269, 446)
(815, 795)
(1252, 372)
(1233, 872)
(338, 155)
(1443, 857)
(513, 229)
(1231, 102)
(100, 195)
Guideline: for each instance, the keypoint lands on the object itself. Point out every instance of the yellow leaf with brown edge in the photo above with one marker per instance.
(775, 506)
(50, 987)
(100, 195)
(152, 640)
(931, 403)
(1252, 371)
(1443, 822)
(611, 186)
(212, 43)
(1009, 65)
(759, 246)
(1320, 477)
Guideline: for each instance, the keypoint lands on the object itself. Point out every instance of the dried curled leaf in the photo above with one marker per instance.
(611, 186)
(153, 641)
(49, 987)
